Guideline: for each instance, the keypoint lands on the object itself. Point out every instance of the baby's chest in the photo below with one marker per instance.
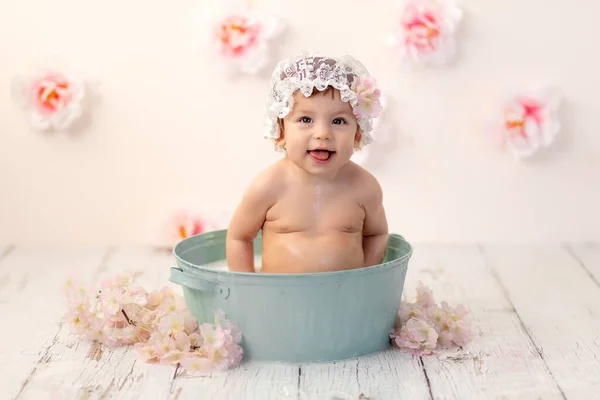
(296, 213)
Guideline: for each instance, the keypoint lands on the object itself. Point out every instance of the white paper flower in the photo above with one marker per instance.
(53, 96)
(527, 122)
(242, 37)
(425, 33)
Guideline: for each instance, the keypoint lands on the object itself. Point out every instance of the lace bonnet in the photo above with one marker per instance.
(309, 71)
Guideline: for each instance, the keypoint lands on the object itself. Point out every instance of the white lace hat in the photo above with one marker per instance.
(311, 70)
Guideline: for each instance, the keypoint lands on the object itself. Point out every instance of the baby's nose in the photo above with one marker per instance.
(322, 133)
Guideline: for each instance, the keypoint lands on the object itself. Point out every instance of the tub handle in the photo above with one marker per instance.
(182, 278)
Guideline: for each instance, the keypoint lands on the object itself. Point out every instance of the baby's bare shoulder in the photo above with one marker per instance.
(358, 176)
(267, 184)
(365, 183)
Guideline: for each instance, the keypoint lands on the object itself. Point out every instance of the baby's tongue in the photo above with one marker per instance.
(320, 154)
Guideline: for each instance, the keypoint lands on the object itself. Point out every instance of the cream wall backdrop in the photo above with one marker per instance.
(172, 129)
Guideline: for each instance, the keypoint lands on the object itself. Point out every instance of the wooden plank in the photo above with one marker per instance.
(559, 304)
(501, 361)
(31, 300)
(79, 369)
(384, 375)
(588, 257)
(457, 274)
(251, 380)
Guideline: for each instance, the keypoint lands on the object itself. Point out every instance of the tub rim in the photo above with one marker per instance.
(212, 236)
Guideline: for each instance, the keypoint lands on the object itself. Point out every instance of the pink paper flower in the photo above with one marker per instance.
(236, 34)
(52, 99)
(425, 31)
(54, 95)
(367, 93)
(527, 123)
(184, 223)
(181, 225)
(242, 37)
(380, 134)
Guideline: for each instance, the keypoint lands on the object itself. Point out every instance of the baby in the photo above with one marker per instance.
(318, 211)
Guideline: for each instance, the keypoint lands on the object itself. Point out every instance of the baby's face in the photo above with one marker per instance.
(321, 132)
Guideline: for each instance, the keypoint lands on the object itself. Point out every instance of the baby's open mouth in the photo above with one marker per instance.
(321, 154)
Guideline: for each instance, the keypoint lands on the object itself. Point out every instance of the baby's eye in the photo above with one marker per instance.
(305, 120)
(339, 121)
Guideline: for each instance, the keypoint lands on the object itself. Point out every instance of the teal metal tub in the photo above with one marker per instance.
(295, 318)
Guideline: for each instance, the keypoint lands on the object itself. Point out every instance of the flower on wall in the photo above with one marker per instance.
(184, 223)
(54, 96)
(527, 123)
(243, 36)
(425, 32)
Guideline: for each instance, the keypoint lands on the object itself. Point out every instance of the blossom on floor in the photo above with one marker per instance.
(53, 95)
(243, 36)
(417, 336)
(425, 32)
(424, 327)
(156, 323)
(527, 123)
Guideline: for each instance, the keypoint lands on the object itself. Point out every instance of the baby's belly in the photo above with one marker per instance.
(309, 252)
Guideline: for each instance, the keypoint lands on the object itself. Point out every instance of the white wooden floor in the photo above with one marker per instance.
(535, 312)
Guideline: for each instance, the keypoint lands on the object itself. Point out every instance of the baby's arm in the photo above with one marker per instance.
(375, 231)
(246, 222)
